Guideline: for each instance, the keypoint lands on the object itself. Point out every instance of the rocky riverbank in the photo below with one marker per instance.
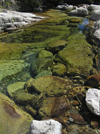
(47, 69)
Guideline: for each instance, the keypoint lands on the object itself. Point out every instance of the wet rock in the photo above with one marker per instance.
(43, 73)
(45, 54)
(54, 106)
(39, 65)
(78, 119)
(46, 126)
(77, 56)
(13, 118)
(59, 69)
(52, 85)
(93, 100)
(11, 67)
(75, 20)
(22, 97)
(94, 80)
(94, 124)
(30, 110)
(56, 45)
(12, 88)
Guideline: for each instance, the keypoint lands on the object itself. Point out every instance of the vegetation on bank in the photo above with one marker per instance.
(31, 5)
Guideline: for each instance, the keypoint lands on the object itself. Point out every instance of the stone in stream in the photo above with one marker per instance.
(46, 127)
(93, 100)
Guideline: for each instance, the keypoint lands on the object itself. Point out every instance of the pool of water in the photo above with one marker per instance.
(26, 43)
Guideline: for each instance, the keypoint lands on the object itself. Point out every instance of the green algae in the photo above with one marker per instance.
(77, 55)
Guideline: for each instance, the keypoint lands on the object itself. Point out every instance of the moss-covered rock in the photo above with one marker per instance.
(11, 67)
(59, 69)
(22, 97)
(39, 65)
(54, 106)
(45, 54)
(52, 85)
(77, 55)
(12, 88)
(56, 45)
(13, 119)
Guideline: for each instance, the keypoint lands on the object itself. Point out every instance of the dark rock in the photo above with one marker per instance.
(94, 80)
(94, 124)
(78, 119)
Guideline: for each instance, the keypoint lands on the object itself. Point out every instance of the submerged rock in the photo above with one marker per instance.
(12, 88)
(77, 55)
(11, 67)
(94, 80)
(46, 126)
(59, 69)
(39, 65)
(56, 45)
(54, 106)
(93, 100)
(52, 85)
(13, 119)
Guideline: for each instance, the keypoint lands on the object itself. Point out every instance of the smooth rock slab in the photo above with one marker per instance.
(93, 100)
(46, 127)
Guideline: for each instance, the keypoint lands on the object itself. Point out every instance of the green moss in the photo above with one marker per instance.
(54, 27)
(77, 55)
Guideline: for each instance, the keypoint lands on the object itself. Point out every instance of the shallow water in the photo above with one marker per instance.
(36, 37)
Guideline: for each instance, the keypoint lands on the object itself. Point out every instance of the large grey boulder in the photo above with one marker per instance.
(46, 127)
(79, 11)
(93, 100)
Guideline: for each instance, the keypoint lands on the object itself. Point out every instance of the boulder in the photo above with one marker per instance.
(79, 11)
(93, 100)
(13, 120)
(77, 55)
(46, 126)
(52, 85)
